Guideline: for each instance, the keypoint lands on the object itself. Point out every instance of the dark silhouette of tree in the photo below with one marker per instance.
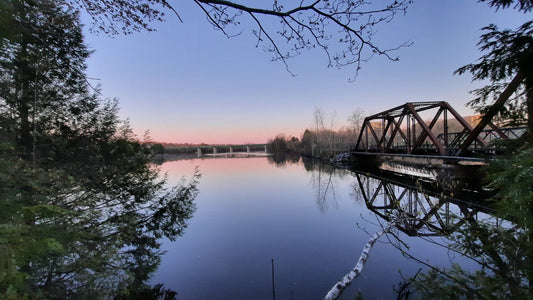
(308, 140)
(520, 5)
(81, 207)
(42, 69)
(508, 54)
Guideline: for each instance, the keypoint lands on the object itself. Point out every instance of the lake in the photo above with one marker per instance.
(309, 218)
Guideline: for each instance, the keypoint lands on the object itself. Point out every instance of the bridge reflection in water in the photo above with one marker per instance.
(419, 207)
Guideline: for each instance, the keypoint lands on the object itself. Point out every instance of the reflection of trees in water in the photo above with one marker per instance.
(501, 252)
(324, 184)
(324, 176)
(324, 179)
(60, 240)
(498, 248)
(283, 159)
(471, 231)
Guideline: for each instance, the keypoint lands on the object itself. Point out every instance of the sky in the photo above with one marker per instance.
(188, 83)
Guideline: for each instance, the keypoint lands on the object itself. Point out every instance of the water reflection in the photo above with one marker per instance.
(303, 213)
(423, 208)
(324, 177)
(419, 208)
(282, 159)
(85, 244)
(494, 252)
(324, 180)
(160, 159)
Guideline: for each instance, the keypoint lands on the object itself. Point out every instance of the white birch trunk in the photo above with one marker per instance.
(337, 289)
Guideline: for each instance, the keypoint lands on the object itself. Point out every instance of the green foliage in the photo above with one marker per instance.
(308, 140)
(282, 145)
(82, 209)
(115, 17)
(521, 5)
(157, 149)
(455, 283)
(512, 178)
(507, 52)
(504, 251)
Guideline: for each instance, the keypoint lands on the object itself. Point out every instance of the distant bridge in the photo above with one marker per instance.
(230, 149)
(211, 150)
(403, 130)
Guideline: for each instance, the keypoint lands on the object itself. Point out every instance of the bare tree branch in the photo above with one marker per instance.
(344, 26)
(342, 29)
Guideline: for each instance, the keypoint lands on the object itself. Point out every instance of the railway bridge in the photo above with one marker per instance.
(402, 129)
(430, 128)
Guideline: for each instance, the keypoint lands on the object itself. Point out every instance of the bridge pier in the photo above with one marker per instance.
(230, 149)
(248, 149)
(199, 152)
(214, 150)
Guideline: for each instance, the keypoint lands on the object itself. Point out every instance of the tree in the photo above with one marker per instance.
(157, 148)
(503, 249)
(356, 118)
(278, 145)
(82, 208)
(324, 129)
(308, 142)
(342, 29)
(521, 5)
(43, 69)
(504, 252)
(509, 55)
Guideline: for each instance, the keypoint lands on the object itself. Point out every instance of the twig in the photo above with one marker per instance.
(273, 287)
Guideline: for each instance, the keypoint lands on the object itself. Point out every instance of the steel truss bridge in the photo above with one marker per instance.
(403, 129)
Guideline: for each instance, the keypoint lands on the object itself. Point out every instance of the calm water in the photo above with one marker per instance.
(309, 218)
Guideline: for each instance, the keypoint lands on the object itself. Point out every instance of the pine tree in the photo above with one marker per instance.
(82, 208)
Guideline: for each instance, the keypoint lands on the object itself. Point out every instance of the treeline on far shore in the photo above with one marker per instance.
(323, 144)
(178, 149)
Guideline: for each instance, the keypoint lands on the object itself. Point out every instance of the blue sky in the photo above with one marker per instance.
(187, 82)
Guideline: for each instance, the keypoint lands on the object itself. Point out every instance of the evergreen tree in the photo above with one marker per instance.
(508, 55)
(504, 252)
(82, 208)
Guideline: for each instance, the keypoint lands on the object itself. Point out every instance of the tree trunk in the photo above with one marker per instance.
(22, 106)
(529, 96)
(526, 68)
(25, 136)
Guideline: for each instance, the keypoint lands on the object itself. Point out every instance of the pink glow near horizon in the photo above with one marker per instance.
(173, 84)
(222, 137)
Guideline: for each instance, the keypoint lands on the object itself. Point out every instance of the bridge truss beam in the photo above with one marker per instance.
(493, 110)
(404, 126)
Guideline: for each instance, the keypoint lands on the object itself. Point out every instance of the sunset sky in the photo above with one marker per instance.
(188, 83)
